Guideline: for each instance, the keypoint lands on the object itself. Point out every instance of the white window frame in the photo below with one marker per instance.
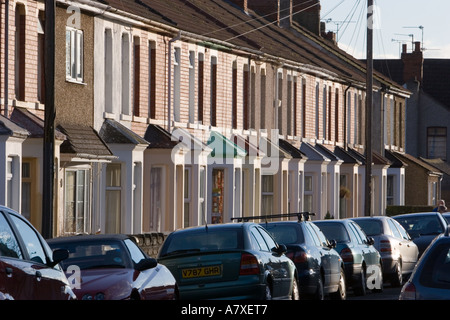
(74, 54)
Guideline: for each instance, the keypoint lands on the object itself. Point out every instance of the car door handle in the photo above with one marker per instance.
(9, 272)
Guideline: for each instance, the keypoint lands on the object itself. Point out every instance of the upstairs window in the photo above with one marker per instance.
(74, 54)
(437, 143)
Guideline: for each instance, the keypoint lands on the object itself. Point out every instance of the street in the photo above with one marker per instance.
(389, 293)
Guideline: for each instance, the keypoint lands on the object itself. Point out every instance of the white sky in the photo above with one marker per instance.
(399, 22)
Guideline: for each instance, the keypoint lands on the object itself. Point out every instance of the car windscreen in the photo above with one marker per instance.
(436, 269)
(207, 239)
(421, 225)
(334, 231)
(94, 254)
(371, 227)
(285, 233)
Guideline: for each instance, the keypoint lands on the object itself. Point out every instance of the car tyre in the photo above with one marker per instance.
(268, 292)
(360, 288)
(295, 295)
(341, 293)
(397, 277)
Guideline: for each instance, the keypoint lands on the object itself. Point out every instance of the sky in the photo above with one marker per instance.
(396, 22)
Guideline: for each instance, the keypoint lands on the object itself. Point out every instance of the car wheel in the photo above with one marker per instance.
(341, 293)
(268, 293)
(295, 295)
(320, 295)
(397, 277)
(360, 287)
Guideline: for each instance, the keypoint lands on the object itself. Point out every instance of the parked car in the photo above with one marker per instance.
(446, 216)
(113, 267)
(28, 269)
(423, 227)
(398, 252)
(430, 279)
(229, 261)
(320, 268)
(363, 264)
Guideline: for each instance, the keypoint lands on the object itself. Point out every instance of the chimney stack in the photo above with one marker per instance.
(412, 63)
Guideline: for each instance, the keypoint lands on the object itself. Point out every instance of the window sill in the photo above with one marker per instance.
(74, 81)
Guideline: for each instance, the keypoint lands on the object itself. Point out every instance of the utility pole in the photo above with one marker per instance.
(49, 119)
(369, 103)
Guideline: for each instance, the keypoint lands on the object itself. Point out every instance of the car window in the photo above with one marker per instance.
(402, 230)
(371, 227)
(394, 229)
(267, 238)
(436, 269)
(312, 235)
(360, 237)
(135, 253)
(285, 234)
(260, 240)
(31, 240)
(335, 231)
(9, 246)
(320, 236)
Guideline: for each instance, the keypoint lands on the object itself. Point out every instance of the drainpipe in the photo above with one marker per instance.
(6, 54)
(169, 99)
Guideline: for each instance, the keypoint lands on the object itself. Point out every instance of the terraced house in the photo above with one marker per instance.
(179, 113)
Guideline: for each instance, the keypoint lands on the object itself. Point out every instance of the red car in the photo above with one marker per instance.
(28, 269)
(113, 267)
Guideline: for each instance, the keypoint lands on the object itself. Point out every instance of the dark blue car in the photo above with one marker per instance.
(320, 268)
(423, 227)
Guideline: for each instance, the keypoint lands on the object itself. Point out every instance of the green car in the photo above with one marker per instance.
(229, 261)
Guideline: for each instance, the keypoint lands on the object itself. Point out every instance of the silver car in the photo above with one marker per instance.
(398, 252)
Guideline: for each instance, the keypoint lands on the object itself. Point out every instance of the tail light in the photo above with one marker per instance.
(385, 246)
(297, 256)
(408, 292)
(346, 255)
(249, 265)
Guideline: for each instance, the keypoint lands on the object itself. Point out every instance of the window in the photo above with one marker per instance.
(74, 54)
(390, 190)
(187, 196)
(137, 77)
(156, 198)
(234, 96)
(108, 72)
(437, 143)
(113, 198)
(31, 241)
(308, 203)
(213, 82)
(125, 74)
(9, 246)
(218, 188)
(152, 79)
(20, 52)
(267, 194)
(177, 84)
(28, 188)
(191, 86)
(41, 57)
(76, 202)
(201, 76)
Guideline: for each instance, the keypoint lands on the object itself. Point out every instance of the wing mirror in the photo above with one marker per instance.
(332, 244)
(146, 264)
(280, 249)
(58, 256)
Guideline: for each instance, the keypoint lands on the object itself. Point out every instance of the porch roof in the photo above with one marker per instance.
(158, 138)
(395, 160)
(312, 153)
(346, 156)
(420, 163)
(223, 147)
(9, 128)
(114, 132)
(83, 142)
(439, 164)
(291, 149)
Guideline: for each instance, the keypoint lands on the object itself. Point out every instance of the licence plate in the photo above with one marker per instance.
(201, 272)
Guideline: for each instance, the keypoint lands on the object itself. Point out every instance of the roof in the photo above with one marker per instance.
(84, 142)
(220, 24)
(346, 156)
(114, 132)
(407, 157)
(88, 237)
(438, 164)
(158, 138)
(32, 123)
(292, 150)
(9, 128)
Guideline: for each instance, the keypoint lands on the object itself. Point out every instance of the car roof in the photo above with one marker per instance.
(371, 217)
(88, 237)
(415, 214)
